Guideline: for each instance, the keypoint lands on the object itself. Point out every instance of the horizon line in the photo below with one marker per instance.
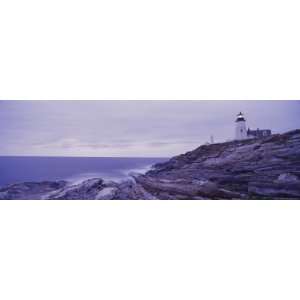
(65, 156)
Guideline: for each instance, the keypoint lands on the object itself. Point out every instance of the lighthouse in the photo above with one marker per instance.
(240, 127)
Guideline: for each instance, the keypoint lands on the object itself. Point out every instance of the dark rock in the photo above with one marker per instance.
(130, 189)
(88, 189)
(30, 190)
(277, 190)
(249, 168)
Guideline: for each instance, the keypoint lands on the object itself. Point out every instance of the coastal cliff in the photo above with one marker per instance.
(260, 168)
(263, 168)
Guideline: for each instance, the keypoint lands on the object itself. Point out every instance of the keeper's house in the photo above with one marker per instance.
(241, 133)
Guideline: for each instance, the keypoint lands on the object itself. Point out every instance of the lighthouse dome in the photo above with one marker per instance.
(240, 117)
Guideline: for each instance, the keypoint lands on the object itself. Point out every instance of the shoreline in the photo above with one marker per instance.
(262, 168)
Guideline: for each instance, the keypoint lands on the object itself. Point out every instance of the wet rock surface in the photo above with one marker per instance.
(265, 168)
(30, 190)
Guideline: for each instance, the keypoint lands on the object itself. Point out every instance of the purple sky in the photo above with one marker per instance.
(131, 128)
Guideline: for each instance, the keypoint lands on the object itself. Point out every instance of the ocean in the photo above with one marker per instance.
(16, 169)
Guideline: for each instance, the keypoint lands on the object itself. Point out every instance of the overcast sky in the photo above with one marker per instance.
(131, 128)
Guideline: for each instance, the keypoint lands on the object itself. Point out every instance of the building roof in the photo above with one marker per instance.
(259, 132)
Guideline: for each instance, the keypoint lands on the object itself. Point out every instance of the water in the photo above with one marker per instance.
(75, 169)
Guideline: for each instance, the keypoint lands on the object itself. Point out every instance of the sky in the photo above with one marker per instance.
(131, 128)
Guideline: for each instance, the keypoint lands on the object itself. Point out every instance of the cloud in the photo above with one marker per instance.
(131, 128)
(74, 145)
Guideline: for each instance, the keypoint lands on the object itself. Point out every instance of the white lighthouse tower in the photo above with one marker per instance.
(240, 127)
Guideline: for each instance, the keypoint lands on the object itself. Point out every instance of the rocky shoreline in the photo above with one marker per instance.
(264, 168)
